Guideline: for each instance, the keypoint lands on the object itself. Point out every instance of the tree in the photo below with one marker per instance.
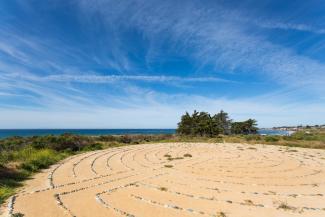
(203, 124)
(185, 127)
(222, 123)
(251, 126)
(244, 127)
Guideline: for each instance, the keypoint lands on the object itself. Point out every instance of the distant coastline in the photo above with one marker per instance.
(4, 133)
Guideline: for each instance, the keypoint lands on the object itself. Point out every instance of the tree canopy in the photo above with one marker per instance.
(204, 124)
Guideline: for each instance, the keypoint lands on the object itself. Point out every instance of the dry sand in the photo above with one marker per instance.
(218, 180)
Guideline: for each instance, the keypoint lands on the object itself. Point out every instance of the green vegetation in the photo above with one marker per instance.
(203, 124)
(163, 189)
(169, 166)
(221, 214)
(285, 206)
(271, 138)
(245, 127)
(17, 215)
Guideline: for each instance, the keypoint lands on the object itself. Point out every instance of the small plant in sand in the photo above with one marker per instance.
(285, 206)
(291, 150)
(187, 155)
(249, 202)
(163, 189)
(169, 166)
(17, 215)
(221, 214)
(167, 155)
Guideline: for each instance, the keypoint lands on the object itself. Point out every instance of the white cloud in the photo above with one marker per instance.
(215, 36)
(290, 26)
(116, 78)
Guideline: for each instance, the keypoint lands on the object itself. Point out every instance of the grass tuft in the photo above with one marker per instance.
(221, 214)
(285, 206)
(169, 166)
(163, 189)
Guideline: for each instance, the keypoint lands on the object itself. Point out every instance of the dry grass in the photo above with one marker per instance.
(221, 214)
(285, 206)
(169, 166)
(163, 189)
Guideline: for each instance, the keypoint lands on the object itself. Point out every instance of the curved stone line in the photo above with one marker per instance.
(315, 172)
(110, 157)
(218, 190)
(171, 206)
(94, 161)
(11, 204)
(51, 174)
(106, 205)
(60, 204)
(78, 162)
(254, 184)
(201, 197)
(96, 185)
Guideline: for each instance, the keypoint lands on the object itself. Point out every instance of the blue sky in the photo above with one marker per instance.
(141, 64)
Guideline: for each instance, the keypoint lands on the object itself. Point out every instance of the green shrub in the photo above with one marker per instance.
(271, 138)
(34, 160)
(125, 139)
(93, 147)
(17, 215)
(169, 166)
(5, 192)
(252, 137)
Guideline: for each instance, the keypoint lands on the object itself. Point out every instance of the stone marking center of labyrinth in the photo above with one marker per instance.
(180, 179)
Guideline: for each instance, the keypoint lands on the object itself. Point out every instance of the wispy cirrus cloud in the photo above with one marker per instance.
(290, 26)
(216, 36)
(116, 78)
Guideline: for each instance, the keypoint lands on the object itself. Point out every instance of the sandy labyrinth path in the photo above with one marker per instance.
(230, 179)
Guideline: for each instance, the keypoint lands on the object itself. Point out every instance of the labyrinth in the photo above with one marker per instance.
(179, 179)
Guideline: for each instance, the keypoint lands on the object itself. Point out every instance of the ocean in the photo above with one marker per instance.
(4, 133)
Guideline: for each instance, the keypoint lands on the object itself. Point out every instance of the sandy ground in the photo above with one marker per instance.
(218, 180)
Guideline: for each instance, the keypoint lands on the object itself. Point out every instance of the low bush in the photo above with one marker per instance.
(34, 160)
(17, 215)
(93, 147)
(253, 137)
(169, 166)
(271, 138)
(5, 192)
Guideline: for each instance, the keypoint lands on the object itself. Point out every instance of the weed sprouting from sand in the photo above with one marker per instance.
(252, 148)
(285, 206)
(248, 202)
(167, 155)
(163, 188)
(187, 155)
(291, 150)
(169, 166)
(17, 215)
(221, 214)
